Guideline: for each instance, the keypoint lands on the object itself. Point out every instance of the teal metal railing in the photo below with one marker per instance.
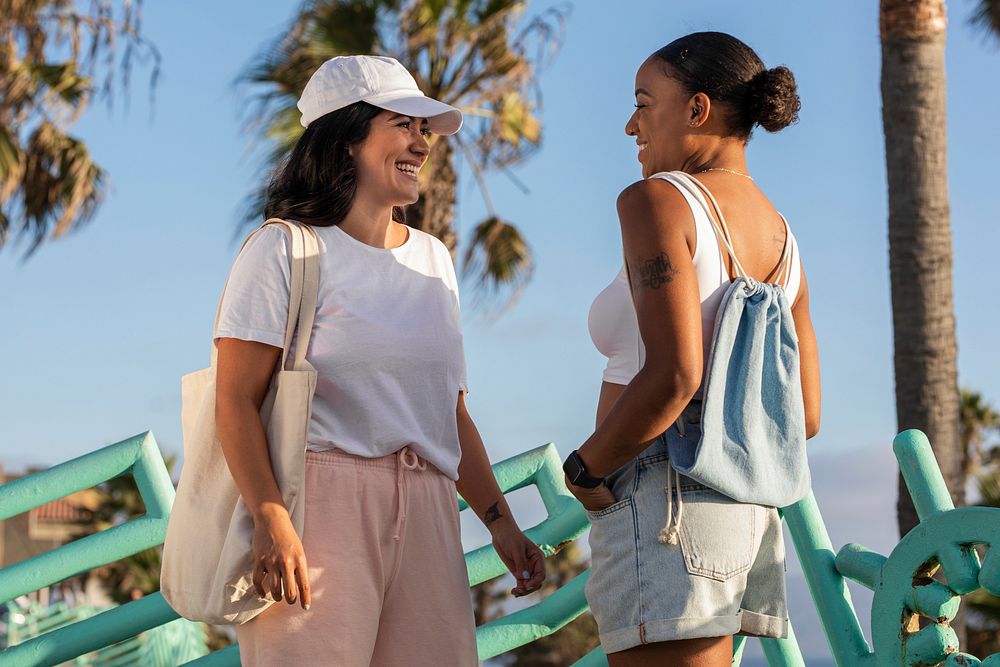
(140, 457)
(946, 538)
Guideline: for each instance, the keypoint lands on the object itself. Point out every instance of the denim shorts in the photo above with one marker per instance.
(725, 576)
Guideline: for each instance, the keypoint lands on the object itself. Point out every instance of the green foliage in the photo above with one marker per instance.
(51, 56)
(987, 16)
(982, 459)
(977, 419)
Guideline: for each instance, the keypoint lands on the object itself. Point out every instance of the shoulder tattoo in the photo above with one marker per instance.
(656, 272)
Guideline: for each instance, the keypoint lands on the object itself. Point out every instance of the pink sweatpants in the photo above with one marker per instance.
(388, 577)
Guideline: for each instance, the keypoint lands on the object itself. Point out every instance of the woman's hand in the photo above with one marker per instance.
(593, 500)
(521, 556)
(279, 559)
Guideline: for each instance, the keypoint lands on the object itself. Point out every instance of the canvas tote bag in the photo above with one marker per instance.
(207, 555)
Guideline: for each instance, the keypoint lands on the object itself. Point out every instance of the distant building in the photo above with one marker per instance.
(45, 528)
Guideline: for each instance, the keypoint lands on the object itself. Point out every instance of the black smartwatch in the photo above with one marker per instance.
(577, 472)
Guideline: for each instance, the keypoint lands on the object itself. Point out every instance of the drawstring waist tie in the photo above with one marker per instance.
(406, 460)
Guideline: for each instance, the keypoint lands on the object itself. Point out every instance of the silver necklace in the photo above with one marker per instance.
(728, 171)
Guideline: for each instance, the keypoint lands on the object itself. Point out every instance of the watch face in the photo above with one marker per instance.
(572, 468)
(577, 474)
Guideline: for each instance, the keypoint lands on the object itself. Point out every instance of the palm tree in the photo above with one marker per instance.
(479, 55)
(920, 255)
(987, 15)
(50, 54)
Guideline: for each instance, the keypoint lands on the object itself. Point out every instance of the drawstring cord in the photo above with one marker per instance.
(668, 534)
(670, 531)
(407, 460)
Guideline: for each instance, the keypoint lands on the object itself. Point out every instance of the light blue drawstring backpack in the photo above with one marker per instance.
(752, 445)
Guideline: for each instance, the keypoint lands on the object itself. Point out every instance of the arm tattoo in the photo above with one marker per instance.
(492, 514)
(657, 271)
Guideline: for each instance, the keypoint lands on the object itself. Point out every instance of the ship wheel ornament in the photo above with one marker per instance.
(913, 606)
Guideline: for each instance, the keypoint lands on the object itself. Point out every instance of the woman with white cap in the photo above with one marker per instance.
(390, 437)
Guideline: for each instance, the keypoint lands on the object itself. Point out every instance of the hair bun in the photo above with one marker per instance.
(773, 99)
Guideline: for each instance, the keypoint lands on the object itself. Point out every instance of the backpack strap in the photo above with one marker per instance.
(704, 196)
(784, 275)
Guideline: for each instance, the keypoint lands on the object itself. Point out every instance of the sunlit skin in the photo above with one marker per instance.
(393, 140)
(677, 131)
(245, 367)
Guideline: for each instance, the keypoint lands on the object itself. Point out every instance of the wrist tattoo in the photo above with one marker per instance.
(657, 271)
(492, 514)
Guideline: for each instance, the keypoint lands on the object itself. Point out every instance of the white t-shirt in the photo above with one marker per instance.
(386, 342)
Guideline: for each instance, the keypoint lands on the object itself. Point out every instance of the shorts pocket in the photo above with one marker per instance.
(611, 588)
(717, 535)
(610, 509)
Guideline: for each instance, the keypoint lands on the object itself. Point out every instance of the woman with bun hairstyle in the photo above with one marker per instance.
(676, 597)
(378, 576)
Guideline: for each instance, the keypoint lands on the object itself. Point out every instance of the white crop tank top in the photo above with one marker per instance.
(614, 327)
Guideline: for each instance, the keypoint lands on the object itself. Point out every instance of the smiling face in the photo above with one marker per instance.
(389, 158)
(662, 121)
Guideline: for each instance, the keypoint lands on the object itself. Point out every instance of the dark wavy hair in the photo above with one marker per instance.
(729, 71)
(316, 184)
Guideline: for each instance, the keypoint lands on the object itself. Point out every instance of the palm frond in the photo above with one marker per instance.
(59, 188)
(56, 58)
(989, 489)
(987, 16)
(498, 259)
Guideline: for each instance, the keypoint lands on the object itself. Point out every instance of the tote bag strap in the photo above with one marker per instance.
(308, 296)
(302, 290)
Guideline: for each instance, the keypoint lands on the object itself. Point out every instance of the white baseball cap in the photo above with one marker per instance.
(378, 80)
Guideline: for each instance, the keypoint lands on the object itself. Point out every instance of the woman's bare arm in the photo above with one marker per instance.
(667, 303)
(242, 377)
(243, 374)
(479, 487)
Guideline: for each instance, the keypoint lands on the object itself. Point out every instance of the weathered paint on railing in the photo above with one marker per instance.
(826, 584)
(539, 620)
(565, 521)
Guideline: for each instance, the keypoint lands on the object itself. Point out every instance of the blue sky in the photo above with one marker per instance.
(98, 328)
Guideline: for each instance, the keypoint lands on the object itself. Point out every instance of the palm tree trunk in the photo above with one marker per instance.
(920, 253)
(435, 210)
